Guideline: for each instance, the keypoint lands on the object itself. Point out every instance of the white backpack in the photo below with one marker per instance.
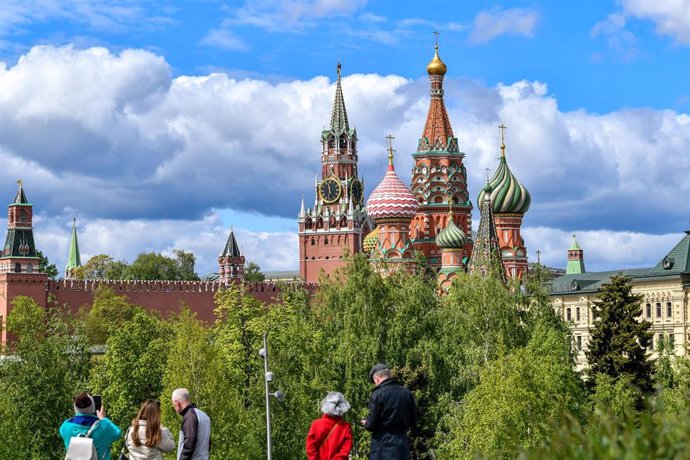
(81, 446)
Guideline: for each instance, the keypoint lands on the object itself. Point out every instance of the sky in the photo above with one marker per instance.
(160, 125)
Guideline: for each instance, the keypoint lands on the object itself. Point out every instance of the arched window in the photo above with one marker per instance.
(22, 215)
(17, 267)
(30, 268)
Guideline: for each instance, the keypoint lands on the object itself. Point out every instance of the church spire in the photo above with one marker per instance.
(74, 257)
(339, 123)
(438, 133)
(486, 253)
(576, 259)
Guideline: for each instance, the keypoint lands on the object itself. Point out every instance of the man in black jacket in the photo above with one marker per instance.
(392, 412)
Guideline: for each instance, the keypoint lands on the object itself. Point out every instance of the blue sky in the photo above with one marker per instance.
(160, 124)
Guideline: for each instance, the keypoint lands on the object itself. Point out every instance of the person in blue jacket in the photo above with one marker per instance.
(105, 433)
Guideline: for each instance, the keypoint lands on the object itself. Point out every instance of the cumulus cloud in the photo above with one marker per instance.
(495, 22)
(144, 159)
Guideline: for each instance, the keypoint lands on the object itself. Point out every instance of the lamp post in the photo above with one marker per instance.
(279, 395)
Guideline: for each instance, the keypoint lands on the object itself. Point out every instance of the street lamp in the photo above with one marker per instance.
(279, 395)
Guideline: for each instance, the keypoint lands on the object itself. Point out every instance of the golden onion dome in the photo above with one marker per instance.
(436, 66)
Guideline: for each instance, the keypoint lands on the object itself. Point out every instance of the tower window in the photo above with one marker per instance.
(325, 240)
(17, 267)
(313, 241)
(22, 215)
(30, 268)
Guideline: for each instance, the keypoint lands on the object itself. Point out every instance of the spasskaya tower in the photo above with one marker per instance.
(337, 223)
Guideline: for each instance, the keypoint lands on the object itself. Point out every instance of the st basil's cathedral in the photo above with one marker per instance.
(432, 216)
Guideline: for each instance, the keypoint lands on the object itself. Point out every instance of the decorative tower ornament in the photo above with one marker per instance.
(74, 260)
(486, 254)
(438, 173)
(451, 240)
(511, 201)
(338, 223)
(392, 206)
(231, 262)
(576, 259)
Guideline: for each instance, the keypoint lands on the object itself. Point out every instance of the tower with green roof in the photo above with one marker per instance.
(19, 254)
(486, 253)
(74, 260)
(576, 259)
(451, 240)
(231, 261)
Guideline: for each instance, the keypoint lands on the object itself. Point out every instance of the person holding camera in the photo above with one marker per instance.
(195, 434)
(87, 415)
(146, 438)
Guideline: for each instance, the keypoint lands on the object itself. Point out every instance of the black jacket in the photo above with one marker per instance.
(392, 412)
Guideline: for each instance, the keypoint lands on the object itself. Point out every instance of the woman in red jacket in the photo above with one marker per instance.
(330, 437)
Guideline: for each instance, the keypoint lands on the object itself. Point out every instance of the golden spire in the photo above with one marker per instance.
(502, 127)
(390, 150)
(436, 66)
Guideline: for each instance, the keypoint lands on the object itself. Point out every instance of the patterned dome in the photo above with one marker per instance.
(451, 237)
(370, 241)
(507, 195)
(391, 199)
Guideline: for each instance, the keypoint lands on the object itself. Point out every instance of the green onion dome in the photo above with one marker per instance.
(451, 237)
(507, 194)
(370, 241)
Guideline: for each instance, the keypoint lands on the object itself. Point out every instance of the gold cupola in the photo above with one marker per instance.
(436, 66)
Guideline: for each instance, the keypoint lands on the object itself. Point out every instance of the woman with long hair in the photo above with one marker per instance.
(146, 438)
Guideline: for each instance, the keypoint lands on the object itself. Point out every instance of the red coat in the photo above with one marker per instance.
(329, 438)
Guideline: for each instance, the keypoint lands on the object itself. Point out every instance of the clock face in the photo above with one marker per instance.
(356, 191)
(329, 190)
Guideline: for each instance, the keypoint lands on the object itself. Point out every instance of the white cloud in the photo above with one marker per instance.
(279, 15)
(224, 39)
(671, 17)
(143, 159)
(493, 23)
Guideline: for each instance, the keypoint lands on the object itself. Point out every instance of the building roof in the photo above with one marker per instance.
(486, 254)
(391, 199)
(20, 197)
(339, 121)
(674, 264)
(232, 249)
(451, 237)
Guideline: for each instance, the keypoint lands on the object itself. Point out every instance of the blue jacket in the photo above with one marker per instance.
(103, 435)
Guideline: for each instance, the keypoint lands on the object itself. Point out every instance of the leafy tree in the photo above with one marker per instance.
(132, 368)
(618, 340)
(108, 312)
(516, 395)
(44, 266)
(101, 266)
(252, 273)
(185, 265)
(49, 365)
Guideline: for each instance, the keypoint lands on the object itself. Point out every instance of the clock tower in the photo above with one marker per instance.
(337, 223)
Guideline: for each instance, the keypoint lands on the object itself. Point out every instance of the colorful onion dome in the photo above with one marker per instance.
(436, 66)
(507, 195)
(451, 237)
(391, 199)
(371, 241)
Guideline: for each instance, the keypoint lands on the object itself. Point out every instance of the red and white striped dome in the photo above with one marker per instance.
(391, 199)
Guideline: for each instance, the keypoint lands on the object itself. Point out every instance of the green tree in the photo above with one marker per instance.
(101, 266)
(48, 365)
(132, 368)
(108, 311)
(44, 266)
(185, 265)
(154, 266)
(517, 395)
(619, 339)
(252, 273)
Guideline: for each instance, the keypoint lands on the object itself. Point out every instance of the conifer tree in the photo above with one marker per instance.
(619, 341)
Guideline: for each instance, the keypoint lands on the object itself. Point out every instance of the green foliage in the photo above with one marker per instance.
(101, 266)
(252, 273)
(108, 311)
(131, 370)
(618, 341)
(48, 365)
(516, 394)
(44, 266)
